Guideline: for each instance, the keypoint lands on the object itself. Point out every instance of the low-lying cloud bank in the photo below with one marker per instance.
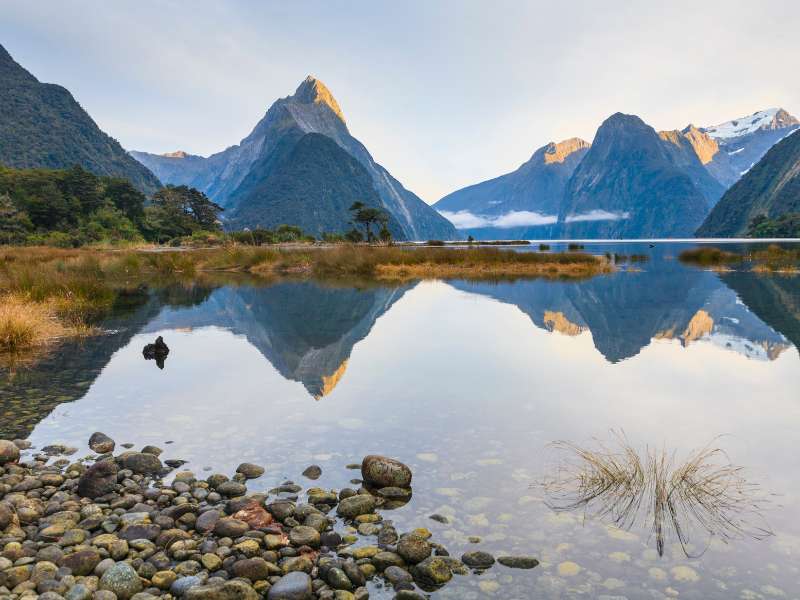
(597, 215)
(463, 219)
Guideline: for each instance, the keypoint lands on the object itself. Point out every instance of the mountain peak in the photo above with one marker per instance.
(176, 154)
(313, 91)
(558, 152)
(771, 118)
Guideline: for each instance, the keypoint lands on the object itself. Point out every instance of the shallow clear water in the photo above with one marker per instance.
(469, 384)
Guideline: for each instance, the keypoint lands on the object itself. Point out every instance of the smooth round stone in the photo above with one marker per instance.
(9, 453)
(122, 580)
(250, 471)
(338, 579)
(381, 472)
(81, 563)
(142, 463)
(293, 586)
(413, 549)
(230, 590)
(433, 571)
(518, 562)
(98, 480)
(78, 592)
(478, 559)
(304, 536)
(360, 504)
(397, 576)
(232, 488)
(313, 472)
(102, 444)
(232, 528)
(183, 584)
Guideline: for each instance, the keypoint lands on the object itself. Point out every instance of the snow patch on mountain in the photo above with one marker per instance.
(738, 127)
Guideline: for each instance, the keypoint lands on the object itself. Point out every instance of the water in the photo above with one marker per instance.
(469, 384)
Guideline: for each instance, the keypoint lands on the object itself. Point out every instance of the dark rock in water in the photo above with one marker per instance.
(432, 571)
(101, 443)
(440, 519)
(292, 586)
(360, 504)
(518, 562)
(98, 480)
(413, 549)
(381, 472)
(313, 472)
(157, 351)
(139, 462)
(478, 560)
(9, 452)
(250, 471)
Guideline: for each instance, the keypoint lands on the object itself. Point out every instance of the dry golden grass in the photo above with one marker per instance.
(25, 325)
(488, 270)
(703, 494)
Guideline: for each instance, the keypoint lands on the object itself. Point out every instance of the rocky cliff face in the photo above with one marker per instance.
(771, 188)
(632, 184)
(311, 109)
(42, 125)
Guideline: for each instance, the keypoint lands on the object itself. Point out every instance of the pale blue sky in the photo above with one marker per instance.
(444, 94)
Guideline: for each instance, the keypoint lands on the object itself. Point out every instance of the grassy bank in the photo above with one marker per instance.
(48, 293)
(773, 259)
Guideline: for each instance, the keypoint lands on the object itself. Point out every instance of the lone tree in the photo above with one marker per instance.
(366, 217)
(181, 210)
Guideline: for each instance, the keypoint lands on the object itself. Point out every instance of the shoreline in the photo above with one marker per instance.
(112, 524)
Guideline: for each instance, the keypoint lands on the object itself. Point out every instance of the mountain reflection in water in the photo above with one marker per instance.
(307, 330)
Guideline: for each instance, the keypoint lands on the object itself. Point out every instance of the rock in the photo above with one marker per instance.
(232, 488)
(413, 549)
(397, 576)
(182, 585)
(157, 351)
(313, 472)
(9, 453)
(518, 562)
(81, 563)
(101, 443)
(338, 579)
(394, 493)
(432, 571)
(250, 471)
(145, 531)
(98, 480)
(384, 560)
(478, 560)
(304, 536)
(206, 521)
(78, 592)
(254, 569)
(154, 450)
(408, 595)
(230, 527)
(381, 472)
(6, 515)
(230, 590)
(440, 519)
(163, 580)
(255, 515)
(360, 504)
(142, 463)
(294, 586)
(122, 580)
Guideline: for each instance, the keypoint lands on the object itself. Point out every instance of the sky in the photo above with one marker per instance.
(443, 93)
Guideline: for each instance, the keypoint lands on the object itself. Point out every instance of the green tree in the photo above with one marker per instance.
(126, 198)
(367, 216)
(180, 210)
(14, 223)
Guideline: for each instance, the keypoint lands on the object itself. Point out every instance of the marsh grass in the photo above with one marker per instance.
(773, 259)
(709, 256)
(701, 494)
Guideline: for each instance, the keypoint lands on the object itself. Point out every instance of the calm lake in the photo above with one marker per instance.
(469, 383)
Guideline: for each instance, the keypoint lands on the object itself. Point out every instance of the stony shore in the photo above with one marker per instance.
(110, 527)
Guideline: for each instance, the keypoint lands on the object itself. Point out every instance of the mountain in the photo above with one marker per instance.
(771, 188)
(741, 143)
(226, 176)
(42, 125)
(310, 183)
(633, 184)
(524, 198)
(174, 168)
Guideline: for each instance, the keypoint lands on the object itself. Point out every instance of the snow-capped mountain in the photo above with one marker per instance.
(766, 120)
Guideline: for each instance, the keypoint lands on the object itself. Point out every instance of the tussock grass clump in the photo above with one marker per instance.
(775, 259)
(25, 325)
(709, 256)
(675, 499)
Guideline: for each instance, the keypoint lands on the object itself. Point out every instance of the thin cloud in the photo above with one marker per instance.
(598, 215)
(463, 219)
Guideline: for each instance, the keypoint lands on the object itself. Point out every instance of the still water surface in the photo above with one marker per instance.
(469, 384)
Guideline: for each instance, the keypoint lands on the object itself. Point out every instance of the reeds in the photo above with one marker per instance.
(675, 499)
(709, 256)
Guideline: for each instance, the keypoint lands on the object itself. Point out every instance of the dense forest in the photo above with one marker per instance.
(72, 207)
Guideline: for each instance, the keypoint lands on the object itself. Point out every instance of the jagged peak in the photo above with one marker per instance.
(557, 152)
(176, 154)
(313, 91)
(771, 118)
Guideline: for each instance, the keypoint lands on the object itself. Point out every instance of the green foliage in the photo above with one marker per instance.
(785, 226)
(281, 235)
(71, 207)
(367, 216)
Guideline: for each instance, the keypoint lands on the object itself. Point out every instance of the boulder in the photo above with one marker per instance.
(360, 504)
(122, 580)
(9, 453)
(293, 586)
(142, 463)
(101, 443)
(382, 472)
(98, 480)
